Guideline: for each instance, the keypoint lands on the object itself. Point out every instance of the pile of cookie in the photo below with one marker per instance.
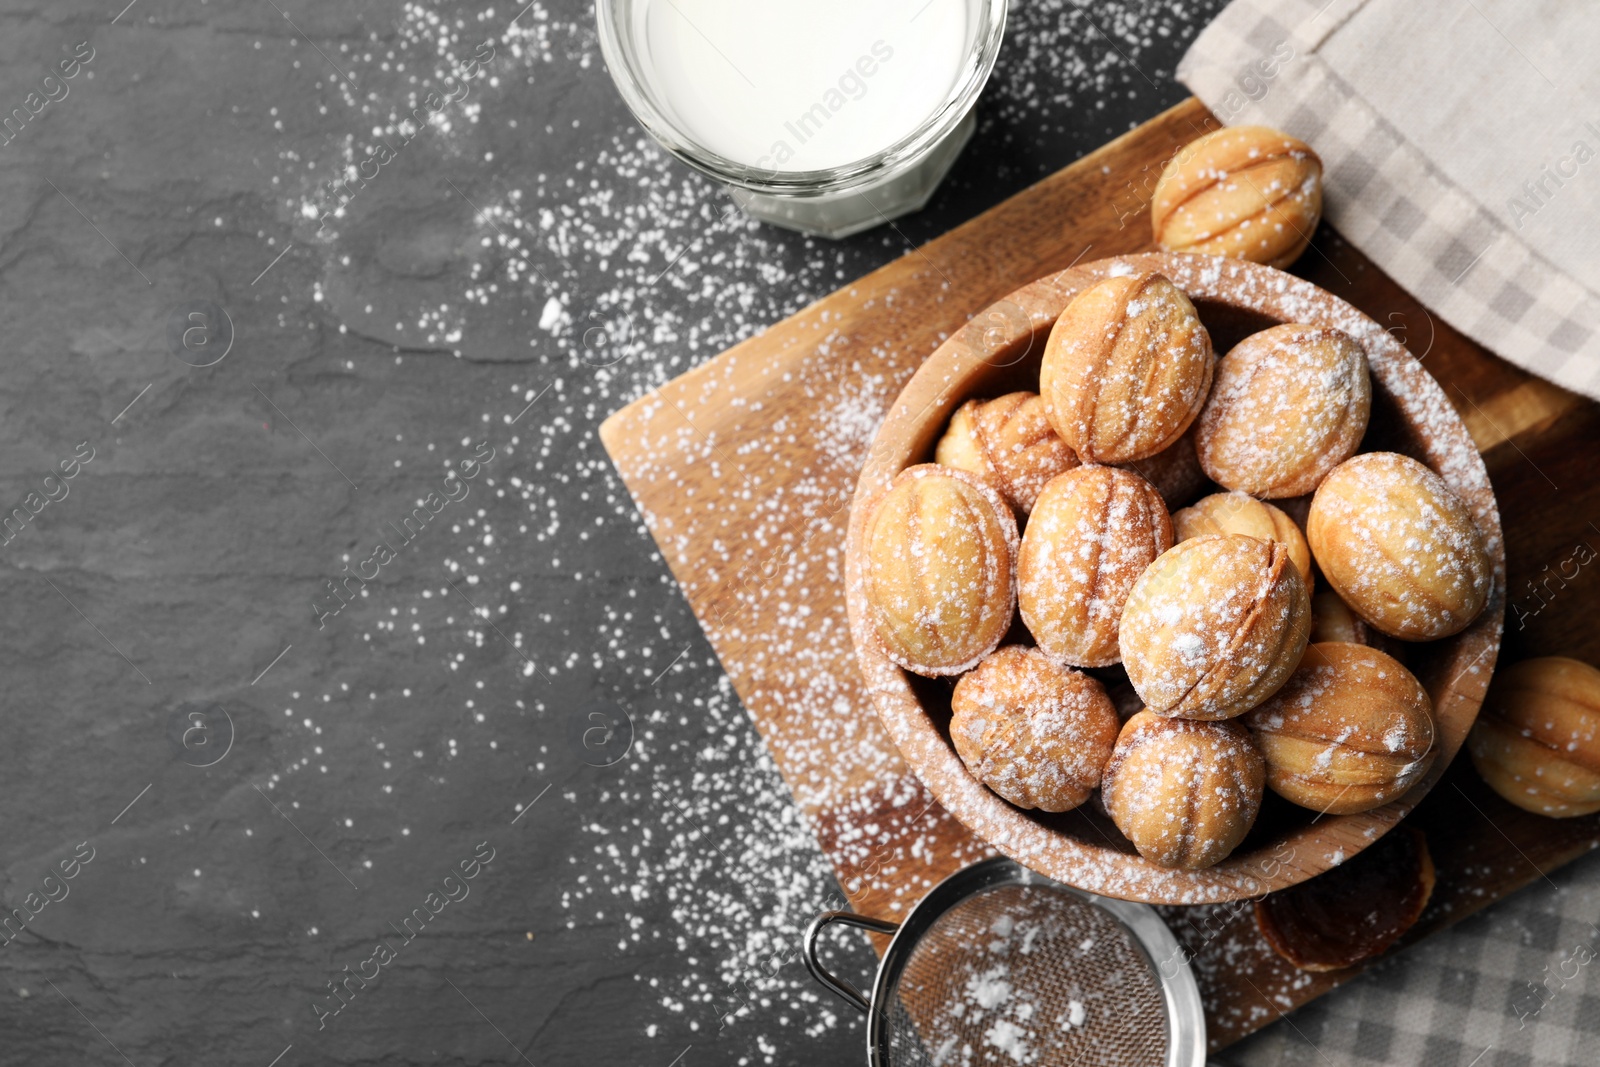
(1210, 610)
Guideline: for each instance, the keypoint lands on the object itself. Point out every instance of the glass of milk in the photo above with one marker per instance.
(824, 116)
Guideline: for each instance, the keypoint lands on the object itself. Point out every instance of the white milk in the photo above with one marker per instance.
(791, 86)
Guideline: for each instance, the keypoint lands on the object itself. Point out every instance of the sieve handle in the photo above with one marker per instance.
(820, 973)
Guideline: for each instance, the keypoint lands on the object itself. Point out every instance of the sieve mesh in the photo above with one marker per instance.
(1020, 975)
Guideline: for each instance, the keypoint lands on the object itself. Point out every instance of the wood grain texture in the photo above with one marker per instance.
(744, 469)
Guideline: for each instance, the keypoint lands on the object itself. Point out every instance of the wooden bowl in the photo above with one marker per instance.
(999, 351)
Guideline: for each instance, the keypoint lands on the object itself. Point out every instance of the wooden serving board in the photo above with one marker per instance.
(744, 467)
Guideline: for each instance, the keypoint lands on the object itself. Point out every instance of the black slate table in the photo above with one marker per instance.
(340, 672)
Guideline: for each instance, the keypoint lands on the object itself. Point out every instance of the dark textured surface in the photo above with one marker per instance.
(530, 246)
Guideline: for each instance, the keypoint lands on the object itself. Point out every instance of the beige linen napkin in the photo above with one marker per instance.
(1461, 146)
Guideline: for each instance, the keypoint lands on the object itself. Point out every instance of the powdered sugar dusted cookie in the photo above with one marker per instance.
(1092, 533)
(1399, 546)
(941, 549)
(1351, 730)
(1214, 627)
(1010, 440)
(1249, 192)
(1288, 405)
(1126, 369)
(1185, 793)
(1237, 513)
(1037, 733)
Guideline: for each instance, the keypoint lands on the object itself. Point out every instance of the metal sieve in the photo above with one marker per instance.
(998, 965)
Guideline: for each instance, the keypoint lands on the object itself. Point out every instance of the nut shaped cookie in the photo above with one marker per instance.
(1214, 627)
(959, 446)
(1092, 533)
(1126, 369)
(1288, 405)
(1351, 730)
(1399, 547)
(1035, 732)
(1247, 192)
(1537, 739)
(1184, 792)
(1010, 440)
(1236, 513)
(940, 552)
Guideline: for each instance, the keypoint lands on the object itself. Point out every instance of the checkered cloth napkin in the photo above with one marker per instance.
(1461, 148)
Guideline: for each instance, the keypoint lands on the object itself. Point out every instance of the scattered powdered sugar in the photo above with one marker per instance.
(990, 989)
(849, 426)
(696, 857)
(1398, 736)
